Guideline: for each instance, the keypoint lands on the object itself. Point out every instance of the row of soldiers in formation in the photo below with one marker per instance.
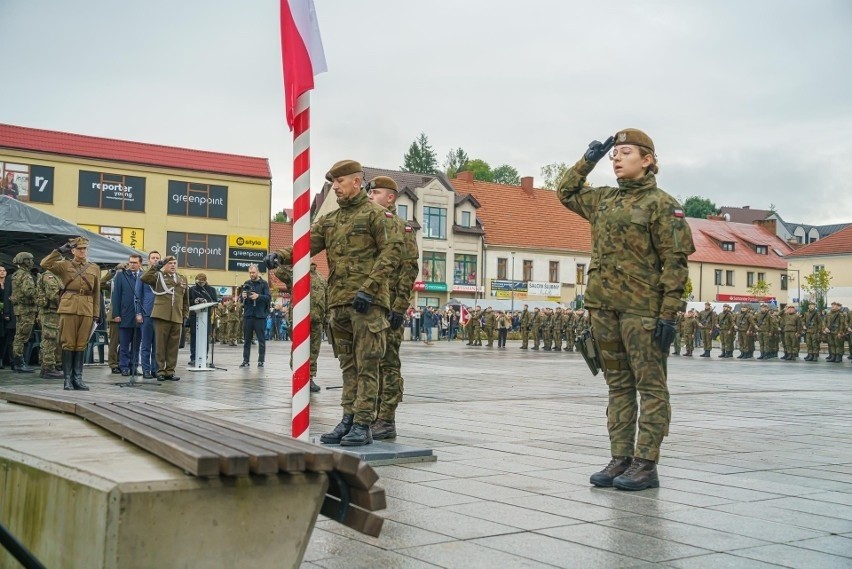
(548, 328)
(769, 328)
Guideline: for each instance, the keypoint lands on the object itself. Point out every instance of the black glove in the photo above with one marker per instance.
(665, 334)
(396, 319)
(160, 264)
(65, 248)
(362, 302)
(598, 150)
(272, 260)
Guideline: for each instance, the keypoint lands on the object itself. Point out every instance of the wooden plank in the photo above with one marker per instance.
(356, 518)
(261, 460)
(371, 500)
(39, 401)
(232, 462)
(346, 463)
(363, 479)
(193, 459)
(317, 459)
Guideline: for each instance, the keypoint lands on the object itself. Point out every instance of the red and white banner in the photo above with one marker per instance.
(464, 316)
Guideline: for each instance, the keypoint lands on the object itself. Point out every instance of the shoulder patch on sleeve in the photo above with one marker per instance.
(678, 212)
(408, 229)
(388, 214)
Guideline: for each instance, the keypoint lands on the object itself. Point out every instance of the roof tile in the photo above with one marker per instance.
(707, 235)
(835, 244)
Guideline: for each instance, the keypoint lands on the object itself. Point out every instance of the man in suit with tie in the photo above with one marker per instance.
(123, 309)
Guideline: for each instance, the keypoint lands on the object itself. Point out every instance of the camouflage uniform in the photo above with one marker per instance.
(319, 310)
(689, 326)
(763, 323)
(364, 245)
(835, 328)
(812, 322)
(726, 332)
(707, 319)
(24, 302)
(745, 333)
(637, 275)
(112, 326)
(570, 326)
(536, 323)
(476, 327)
(49, 289)
(558, 329)
(490, 324)
(791, 326)
(775, 336)
(525, 328)
(678, 333)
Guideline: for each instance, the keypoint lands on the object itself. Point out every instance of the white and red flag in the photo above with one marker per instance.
(303, 57)
(464, 316)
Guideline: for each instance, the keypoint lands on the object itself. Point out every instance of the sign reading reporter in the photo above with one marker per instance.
(198, 200)
(111, 191)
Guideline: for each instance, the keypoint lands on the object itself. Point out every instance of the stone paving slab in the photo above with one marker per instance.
(757, 470)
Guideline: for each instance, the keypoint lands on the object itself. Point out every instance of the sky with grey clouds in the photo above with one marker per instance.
(748, 101)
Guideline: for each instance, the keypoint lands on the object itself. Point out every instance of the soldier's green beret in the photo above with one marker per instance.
(21, 257)
(635, 137)
(343, 168)
(382, 182)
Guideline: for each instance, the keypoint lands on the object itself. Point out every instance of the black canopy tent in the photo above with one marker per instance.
(25, 228)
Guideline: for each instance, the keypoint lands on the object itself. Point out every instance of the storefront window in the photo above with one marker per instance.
(434, 267)
(465, 270)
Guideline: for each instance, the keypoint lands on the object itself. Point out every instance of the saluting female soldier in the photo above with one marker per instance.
(637, 274)
(79, 305)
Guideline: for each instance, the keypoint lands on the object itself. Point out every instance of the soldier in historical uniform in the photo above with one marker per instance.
(48, 291)
(535, 323)
(171, 308)
(745, 325)
(384, 191)
(726, 325)
(707, 322)
(79, 305)
(364, 245)
(690, 325)
(490, 324)
(791, 327)
(525, 324)
(23, 299)
(835, 329)
(637, 275)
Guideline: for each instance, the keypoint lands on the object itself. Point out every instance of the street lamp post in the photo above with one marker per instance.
(512, 284)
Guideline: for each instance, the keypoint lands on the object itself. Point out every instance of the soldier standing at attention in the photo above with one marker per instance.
(23, 299)
(49, 289)
(79, 305)
(763, 321)
(726, 331)
(745, 333)
(171, 308)
(707, 318)
(384, 191)
(835, 328)
(490, 324)
(535, 323)
(558, 329)
(678, 333)
(813, 328)
(476, 326)
(637, 275)
(547, 328)
(570, 325)
(791, 326)
(690, 325)
(364, 247)
(525, 327)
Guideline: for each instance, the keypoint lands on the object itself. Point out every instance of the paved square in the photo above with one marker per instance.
(757, 471)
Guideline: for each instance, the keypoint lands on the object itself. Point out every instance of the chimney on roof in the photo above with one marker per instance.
(527, 185)
(767, 224)
(713, 217)
(466, 176)
(746, 207)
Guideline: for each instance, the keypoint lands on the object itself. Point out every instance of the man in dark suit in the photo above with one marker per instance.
(123, 308)
(199, 294)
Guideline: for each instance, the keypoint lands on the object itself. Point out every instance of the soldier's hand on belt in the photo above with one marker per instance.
(396, 319)
(665, 334)
(362, 302)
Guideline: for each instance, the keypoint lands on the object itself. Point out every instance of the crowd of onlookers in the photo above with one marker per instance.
(447, 322)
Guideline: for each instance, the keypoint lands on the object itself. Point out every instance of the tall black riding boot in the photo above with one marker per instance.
(68, 369)
(77, 380)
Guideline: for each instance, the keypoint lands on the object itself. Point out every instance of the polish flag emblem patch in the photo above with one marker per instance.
(678, 213)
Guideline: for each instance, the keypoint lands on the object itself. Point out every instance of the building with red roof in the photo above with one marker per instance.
(834, 254)
(209, 209)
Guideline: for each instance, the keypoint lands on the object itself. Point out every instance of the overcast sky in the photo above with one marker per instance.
(748, 102)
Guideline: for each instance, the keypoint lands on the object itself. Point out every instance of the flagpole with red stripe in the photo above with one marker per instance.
(303, 57)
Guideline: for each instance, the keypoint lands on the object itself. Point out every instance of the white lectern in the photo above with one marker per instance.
(201, 315)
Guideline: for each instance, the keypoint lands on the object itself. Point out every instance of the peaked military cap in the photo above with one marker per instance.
(343, 168)
(635, 137)
(382, 182)
(78, 242)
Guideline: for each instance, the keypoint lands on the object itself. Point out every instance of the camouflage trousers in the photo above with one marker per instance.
(745, 341)
(791, 343)
(49, 338)
(24, 322)
(635, 366)
(775, 341)
(360, 340)
(835, 343)
(525, 337)
(548, 338)
(726, 337)
(812, 341)
(489, 334)
(676, 343)
(765, 340)
(538, 333)
(707, 339)
(391, 383)
(476, 334)
(569, 340)
(316, 342)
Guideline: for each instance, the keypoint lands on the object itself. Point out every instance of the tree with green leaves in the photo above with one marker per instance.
(481, 170)
(552, 173)
(760, 288)
(818, 284)
(696, 206)
(280, 217)
(420, 158)
(505, 174)
(455, 162)
(687, 290)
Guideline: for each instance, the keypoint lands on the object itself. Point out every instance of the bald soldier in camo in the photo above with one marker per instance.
(364, 247)
(637, 275)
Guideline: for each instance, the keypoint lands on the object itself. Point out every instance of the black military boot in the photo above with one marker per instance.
(358, 435)
(616, 467)
(381, 429)
(50, 373)
(815, 358)
(18, 365)
(809, 357)
(741, 356)
(68, 369)
(77, 379)
(314, 387)
(342, 428)
(642, 474)
(838, 359)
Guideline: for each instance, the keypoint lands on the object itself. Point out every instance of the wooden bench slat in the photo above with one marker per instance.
(371, 500)
(232, 462)
(38, 401)
(261, 460)
(317, 459)
(193, 459)
(363, 479)
(356, 518)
